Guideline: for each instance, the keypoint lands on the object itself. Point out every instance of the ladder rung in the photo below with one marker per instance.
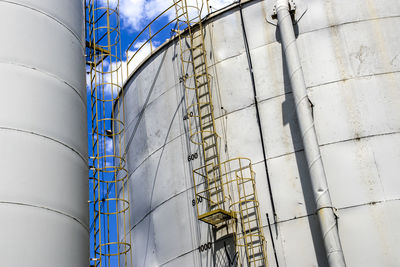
(212, 182)
(200, 65)
(201, 74)
(213, 169)
(250, 230)
(216, 192)
(254, 247)
(210, 158)
(210, 146)
(253, 229)
(257, 254)
(198, 55)
(196, 47)
(206, 116)
(203, 117)
(255, 241)
(208, 126)
(246, 220)
(246, 209)
(214, 188)
(216, 179)
(205, 105)
(247, 200)
(208, 136)
(203, 95)
(202, 84)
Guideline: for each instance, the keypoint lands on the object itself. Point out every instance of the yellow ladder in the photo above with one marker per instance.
(197, 83)
(249, 232)
(228, 188)
(110, 198)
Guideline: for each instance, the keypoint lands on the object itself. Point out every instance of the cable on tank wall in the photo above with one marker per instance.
(253, 83)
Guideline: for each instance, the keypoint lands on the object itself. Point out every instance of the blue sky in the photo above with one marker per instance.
(134, 16)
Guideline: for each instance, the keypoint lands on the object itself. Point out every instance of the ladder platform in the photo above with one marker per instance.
(216, 216)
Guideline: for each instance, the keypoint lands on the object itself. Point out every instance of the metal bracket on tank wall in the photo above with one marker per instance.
(295, 8)
(292, 10)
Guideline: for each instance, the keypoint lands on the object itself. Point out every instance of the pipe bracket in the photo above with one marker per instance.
(292, 9)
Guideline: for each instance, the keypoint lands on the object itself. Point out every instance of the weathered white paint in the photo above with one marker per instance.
(350, 58)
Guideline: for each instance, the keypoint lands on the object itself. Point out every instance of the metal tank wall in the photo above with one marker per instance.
(351, 62)
(43, 134)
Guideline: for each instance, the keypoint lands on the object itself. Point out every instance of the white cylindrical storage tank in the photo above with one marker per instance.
(351, 61)
(43, 134)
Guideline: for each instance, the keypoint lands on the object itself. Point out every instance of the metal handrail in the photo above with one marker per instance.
(108, 208)
(151, 35)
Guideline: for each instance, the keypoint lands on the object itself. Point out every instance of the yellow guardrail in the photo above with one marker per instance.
(148, 35)
(109, 209)
(225, 192)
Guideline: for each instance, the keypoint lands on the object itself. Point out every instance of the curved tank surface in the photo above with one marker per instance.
(351, 61)
(43, 134)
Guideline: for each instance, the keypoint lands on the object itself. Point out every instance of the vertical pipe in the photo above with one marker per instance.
(323, 201)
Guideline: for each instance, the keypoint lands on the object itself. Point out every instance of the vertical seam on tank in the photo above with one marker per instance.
(47, 208)
(47, 15)
(46, 137)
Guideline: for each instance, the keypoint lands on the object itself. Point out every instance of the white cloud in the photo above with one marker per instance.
(120, 69)
(110, 3)
(133, 13)
(109, 146)
(104, 143)
(136, 14)
(109, 82)
(145, 50)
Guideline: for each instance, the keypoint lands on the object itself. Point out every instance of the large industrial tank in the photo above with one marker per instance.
(43, 134)
(351, 60)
